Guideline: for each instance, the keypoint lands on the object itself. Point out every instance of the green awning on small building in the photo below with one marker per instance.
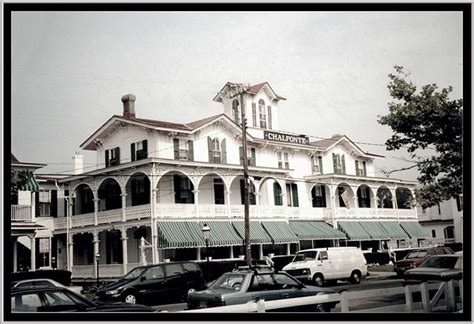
(315, 230)
(414, 229)
(354, 231)
(376, 231)
(258, 235)
(395, 231)
(280, 232)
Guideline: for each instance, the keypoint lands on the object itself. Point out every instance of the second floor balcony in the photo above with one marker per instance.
(21, 213)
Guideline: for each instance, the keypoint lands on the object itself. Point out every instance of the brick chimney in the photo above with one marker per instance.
(129, 105)
(78, 163)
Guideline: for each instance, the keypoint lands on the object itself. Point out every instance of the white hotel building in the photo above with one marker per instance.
(162, 181)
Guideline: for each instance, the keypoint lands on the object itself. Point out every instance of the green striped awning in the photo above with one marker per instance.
(310, 230)
(280, 232)
(180, 235)
(354, 231)
(375, 230)
(258, 235)
(29, 184)
(395, 231)
(222, 233)
(414, 229)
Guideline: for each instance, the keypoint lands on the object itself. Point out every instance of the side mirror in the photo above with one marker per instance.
(143, 278)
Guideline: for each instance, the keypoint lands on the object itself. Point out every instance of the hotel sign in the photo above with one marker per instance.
(280, 137)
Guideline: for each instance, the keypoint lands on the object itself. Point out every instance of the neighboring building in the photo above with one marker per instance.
(444, 222)
(24, 225)
(162, 181)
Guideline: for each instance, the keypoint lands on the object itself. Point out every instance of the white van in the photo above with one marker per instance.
(326, 264)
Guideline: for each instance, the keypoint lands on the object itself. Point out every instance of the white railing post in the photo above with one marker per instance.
(408, 299)
(344, 302)
(261, 306)
(425, 297)
(461, 292)
(450, 296)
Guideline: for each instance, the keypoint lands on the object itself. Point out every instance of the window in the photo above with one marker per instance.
(251, 156)
(154, 273)
(317, 164)
(439, 209)
(251, 187)
(217, 151)
(283, 160)
(139, 150)
(292, 194)
(459, 203)
(219, 191)
(262, 282)
(183, 189)
(277, 194)
(363, 196)
(183, 149)
(25, 303)
(361, 169)
(236, 111)
(261, 113)
(323, 255)
(43, 207)
(318, 194)
(269, 117)
(433, 233)
(173, 269)
(254, 114)
(283, 281)
(339, 163)
(112, 156)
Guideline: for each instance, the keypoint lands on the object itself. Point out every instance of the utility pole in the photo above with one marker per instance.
(240, 89)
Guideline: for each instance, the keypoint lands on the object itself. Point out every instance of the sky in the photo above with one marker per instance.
(70, 69)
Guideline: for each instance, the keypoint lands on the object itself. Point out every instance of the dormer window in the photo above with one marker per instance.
(262, 114)
(112, 157)
(139, 150)
(236, 111)
(217, 150)
(361, 169)
(183, 149)
(339, 163)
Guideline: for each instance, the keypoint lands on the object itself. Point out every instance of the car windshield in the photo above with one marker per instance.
(135, 273)
(230, 281)
(305, 256)
(440, 262)
(416, 254)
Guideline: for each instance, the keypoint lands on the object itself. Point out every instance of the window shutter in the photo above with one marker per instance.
(269, 117)
(54, 203)
(343, 163)
(241, 155)
(357, 167)
(176, 148)
(277, 194)
(209, 149)
(334, 162)
(254, 114)
(117, 155)
(132, 150)
(145, 149)
(253, 160)
(190, 150)
(365, 168)
(320, 161)
(294, 191)
(106, 158)
(223, 152)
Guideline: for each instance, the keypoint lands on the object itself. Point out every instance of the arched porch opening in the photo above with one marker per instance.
(109, 195)
(319, 195)
(83, 200)
(212, 190)
(344, 196)
(270, 193)
(384, 198)
(364, 196)
(237, 186)
(138, 190)
(404, 198)
(175, 187)
(83, 249)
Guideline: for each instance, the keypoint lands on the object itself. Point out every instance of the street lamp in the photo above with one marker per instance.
(97, 257)
(206, 233)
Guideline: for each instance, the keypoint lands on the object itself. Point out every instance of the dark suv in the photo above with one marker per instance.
(154, 284)
(416, 257)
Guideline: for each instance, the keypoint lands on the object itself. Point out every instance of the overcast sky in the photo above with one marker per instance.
(70, 69)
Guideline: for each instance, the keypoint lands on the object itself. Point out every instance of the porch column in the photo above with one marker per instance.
(196, 202)
(124, 239)
(198, 254)
(231, 252)
(33, 253)
(96, 210)
(394, 203)
(33, 207)
(288, 249)
(50, 254)
(227, 201)
(15, 255)
(70, 253)
(96, 242)
(257, 203)
(333, 206)
(260, 252)
(355, 199)
(155, 256)
(124, 211)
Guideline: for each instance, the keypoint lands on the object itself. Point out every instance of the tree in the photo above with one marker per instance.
(425, 122)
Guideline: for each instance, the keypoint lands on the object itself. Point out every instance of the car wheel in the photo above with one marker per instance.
(130, 298)
(355, 277)
(318, 280)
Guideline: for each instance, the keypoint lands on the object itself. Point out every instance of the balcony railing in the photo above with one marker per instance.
(21, 213)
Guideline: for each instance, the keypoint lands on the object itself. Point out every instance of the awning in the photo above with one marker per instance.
(29, 184)
(258, 235)
(376, 231)
(395, 231)
(310, 230)
(354, 231)
(180, 235)
(222, 233)
(280, 232)
(414, 229)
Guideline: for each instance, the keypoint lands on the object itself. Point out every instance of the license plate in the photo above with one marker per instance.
(202, 304)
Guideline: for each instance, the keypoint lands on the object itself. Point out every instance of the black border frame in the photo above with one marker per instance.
(465, 8)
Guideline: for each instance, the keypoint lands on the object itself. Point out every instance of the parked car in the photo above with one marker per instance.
(328, 264)
(45, 282)
(154, 284)
(416, 257)
(58, 299)
(279, 261)
(437, 267)
(251, 283)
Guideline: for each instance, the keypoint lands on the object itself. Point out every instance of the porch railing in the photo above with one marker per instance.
(20, 213)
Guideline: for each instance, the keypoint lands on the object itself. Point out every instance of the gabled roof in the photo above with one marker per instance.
(188, 128)
(14, 162)
(337, 138)
(254, 89)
